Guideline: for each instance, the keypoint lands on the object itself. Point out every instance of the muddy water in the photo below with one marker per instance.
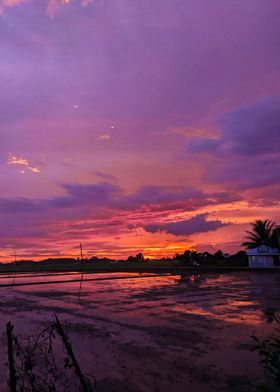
(160, 334)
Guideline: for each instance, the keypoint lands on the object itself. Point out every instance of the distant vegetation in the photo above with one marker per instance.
(189, 258)
(218, 259)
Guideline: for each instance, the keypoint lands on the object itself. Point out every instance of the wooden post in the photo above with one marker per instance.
(12, 377)
(68, 347)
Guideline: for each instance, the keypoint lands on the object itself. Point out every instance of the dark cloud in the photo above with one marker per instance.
(90, 208)
(203, 145)
(246, 155)
(105, 177)
(94, 194)
(85, 196)
(163, 194)
(244, 173)
(197, 224)
(19, 205)
(78, 196)
(248, 130)
(253, 130)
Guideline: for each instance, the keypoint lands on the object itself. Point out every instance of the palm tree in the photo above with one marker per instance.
(263, 233)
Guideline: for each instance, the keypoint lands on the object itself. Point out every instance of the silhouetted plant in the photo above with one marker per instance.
(33, 363)
(269, 352)
(271, 315)
(263, 232)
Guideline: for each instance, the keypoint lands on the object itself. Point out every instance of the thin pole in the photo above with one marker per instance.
(12, 371)
(68, 347)
(82, 275)
(81, 248)
(15, 260)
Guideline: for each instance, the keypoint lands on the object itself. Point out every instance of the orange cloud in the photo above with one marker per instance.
(104, 137)
(23, 163)
(193, 132)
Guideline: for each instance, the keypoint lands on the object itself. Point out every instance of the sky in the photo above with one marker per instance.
(133, 126)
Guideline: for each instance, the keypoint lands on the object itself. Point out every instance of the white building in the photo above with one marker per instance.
(262, 257)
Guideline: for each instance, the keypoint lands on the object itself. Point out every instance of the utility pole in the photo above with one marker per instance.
(82, 271)
(14, 265)
(14, 255)
(81, 249)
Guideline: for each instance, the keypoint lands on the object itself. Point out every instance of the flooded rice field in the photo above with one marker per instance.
(140, 333)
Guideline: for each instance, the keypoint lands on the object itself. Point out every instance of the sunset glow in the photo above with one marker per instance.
(123, 127)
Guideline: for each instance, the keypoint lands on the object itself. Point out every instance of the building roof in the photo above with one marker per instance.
(263, 250)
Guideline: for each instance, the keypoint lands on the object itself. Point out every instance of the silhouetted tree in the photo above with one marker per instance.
(207, 255)
(239, 259)
(219, 255)
(263, 233)
(138, 258)
(186, 258)
(275, 238)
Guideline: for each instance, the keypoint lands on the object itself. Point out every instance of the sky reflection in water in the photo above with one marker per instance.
(153, 324)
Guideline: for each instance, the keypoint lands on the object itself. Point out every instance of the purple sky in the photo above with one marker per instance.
(137, 125)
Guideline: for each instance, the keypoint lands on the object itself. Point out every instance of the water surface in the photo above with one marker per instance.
(168, 333)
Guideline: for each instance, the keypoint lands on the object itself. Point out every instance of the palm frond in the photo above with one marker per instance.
(262, 232)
